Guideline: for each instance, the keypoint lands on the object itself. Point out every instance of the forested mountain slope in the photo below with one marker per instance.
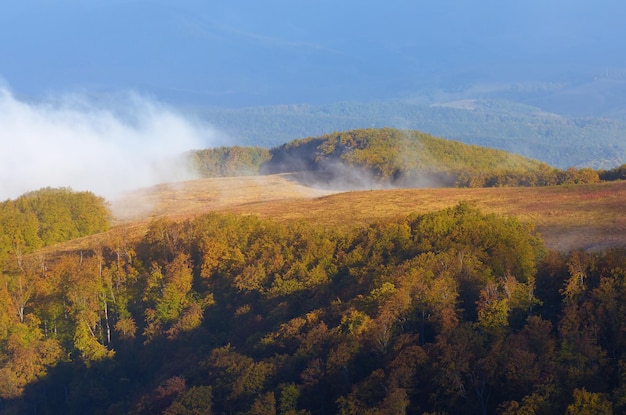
(453, 311)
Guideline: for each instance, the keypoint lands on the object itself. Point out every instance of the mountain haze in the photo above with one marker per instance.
(244, 53)
(559, 140)
(405, 65)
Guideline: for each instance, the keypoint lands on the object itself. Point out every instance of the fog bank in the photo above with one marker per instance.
(108, 148)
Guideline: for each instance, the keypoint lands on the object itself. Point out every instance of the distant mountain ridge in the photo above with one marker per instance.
(559, 140)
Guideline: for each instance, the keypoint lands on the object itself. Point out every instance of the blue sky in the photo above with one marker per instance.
(237, 53)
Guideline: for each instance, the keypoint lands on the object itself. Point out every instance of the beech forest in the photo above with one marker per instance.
(450, 312)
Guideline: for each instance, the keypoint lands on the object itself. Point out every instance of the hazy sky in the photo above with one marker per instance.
(89, 89)
(256, 52)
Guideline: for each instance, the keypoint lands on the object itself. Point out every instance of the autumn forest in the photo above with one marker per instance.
(453, 311)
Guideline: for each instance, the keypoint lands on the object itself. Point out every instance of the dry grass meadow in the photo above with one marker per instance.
(587, 217)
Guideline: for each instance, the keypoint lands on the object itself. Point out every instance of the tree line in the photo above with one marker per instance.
(228, 161)
(48, 216)
(454, 311)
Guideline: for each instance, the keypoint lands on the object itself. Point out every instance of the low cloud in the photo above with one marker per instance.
(108, 148)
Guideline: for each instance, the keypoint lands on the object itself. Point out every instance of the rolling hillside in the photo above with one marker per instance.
(567, 217)
(382, 158)
(240, 294)
(370, 158)
(279, 285)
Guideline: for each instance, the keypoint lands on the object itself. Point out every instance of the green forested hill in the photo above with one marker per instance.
(48, 216)
(558, 140)
(382, 157)
(386, 156)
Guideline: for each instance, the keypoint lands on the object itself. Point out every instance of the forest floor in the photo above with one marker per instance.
(589, 217)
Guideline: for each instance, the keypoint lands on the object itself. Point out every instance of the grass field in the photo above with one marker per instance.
(568, 217)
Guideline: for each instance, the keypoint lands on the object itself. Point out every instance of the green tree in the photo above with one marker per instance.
(197, 400)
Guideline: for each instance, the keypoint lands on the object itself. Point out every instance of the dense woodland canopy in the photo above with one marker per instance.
(47, 216)
(616, 173)
(454, 312)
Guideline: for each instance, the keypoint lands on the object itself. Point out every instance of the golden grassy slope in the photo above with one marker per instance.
(583, 216)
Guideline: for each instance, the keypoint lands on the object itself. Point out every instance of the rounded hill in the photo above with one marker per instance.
(370, 158)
